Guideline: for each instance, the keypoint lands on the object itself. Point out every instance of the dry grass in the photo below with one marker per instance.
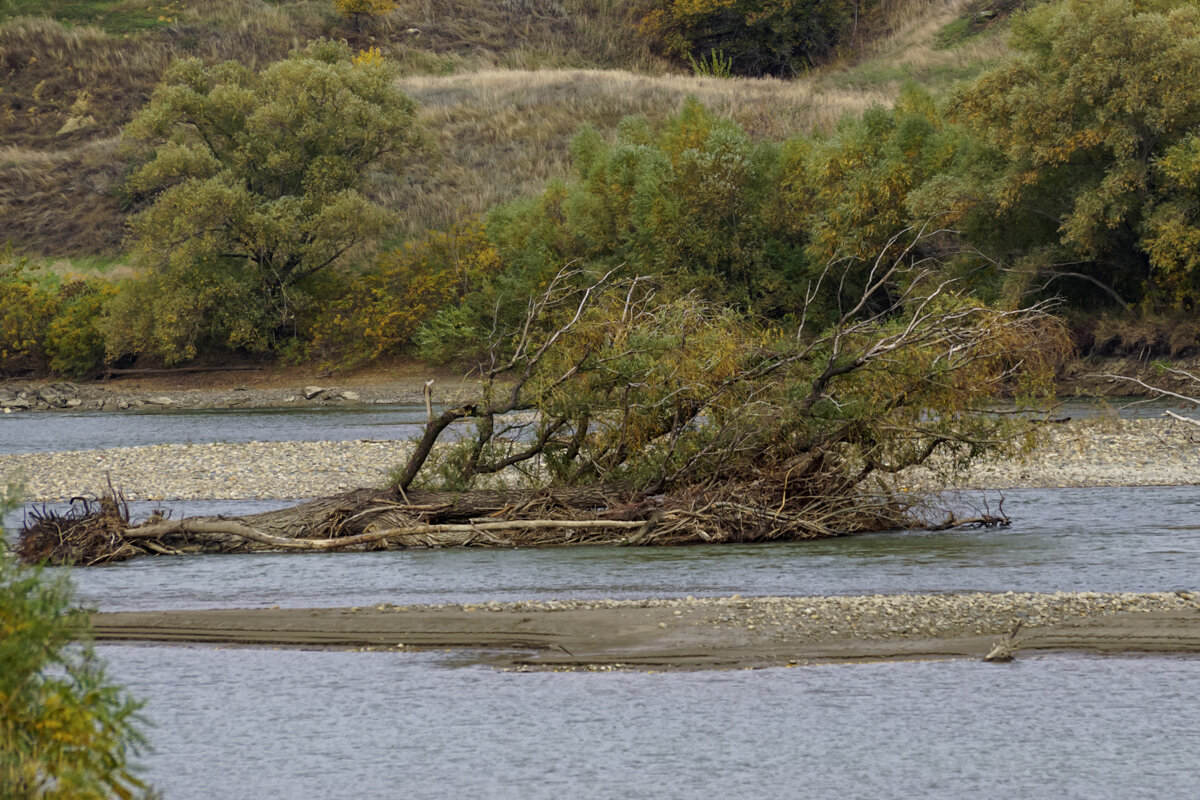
(898, 43)
(525, 75)
(520, 34)
(55, 74)
(1147, 336)
(61, 202)
(505, 133)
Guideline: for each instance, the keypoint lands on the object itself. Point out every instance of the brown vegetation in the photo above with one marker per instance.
(647, 421)
(503, 134)
(524, 75)
(62, 202)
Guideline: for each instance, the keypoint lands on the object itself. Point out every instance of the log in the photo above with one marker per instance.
(419, 535)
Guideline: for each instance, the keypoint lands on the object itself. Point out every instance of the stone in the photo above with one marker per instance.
(19, 403)
(313, 391)
(50, 396)
(160, 401)
(74, 402)
(353, 397)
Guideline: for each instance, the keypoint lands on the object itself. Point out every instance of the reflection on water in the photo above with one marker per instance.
(1130, 539)
(293, 724)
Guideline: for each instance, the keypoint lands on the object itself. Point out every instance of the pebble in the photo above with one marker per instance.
(221, 471)
(878, 616)
(1094, 452)
(1142, 452)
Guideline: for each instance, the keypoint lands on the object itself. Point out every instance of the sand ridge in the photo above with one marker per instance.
(704, 633)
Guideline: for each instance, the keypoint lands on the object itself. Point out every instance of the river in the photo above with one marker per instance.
(1101, 539)
(293, 724)
(56, 431)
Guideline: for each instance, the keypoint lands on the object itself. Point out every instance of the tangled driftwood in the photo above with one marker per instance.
(100, 531)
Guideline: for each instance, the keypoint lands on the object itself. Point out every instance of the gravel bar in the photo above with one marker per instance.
(1141, 452)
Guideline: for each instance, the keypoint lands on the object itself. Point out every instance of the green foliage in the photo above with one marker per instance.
(715, 65)
(758, 37)
(113, 16)
(381, 310)
(257, 180)
(351, 8)
(74, 344)
(977, 17)
(65, 731)
(875, 185)
(1094, 116)
(46, 328)
(26, 307)
(686, 200)
(636, 388)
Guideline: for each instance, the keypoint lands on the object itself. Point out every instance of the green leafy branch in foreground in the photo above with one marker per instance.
(65, 731)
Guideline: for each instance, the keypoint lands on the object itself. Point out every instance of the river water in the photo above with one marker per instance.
(292, 724)
(49, 432)
(57, 431)
(250, 723)
(1103, 539)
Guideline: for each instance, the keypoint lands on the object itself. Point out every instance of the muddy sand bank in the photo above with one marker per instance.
(706, 633)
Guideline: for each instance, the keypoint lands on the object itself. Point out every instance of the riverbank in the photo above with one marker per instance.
(270, 387)
(1097, 452)
(702, 633)
(403, 382)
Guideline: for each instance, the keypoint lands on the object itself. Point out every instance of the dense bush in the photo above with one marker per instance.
(382, 308)
(878, 185)
(26, 307)
(686, 201)
(42, 328)
(1096, 117)
(758, 37)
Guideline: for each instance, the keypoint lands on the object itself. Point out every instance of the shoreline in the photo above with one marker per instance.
(270, 387)
(402, 382)
(704, 633)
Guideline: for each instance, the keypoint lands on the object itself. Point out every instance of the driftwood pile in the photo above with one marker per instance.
(101, 531)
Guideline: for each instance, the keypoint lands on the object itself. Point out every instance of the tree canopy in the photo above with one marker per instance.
(257, 184)
(1096, 117)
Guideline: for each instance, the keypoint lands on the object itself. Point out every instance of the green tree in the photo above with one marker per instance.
(887, 178)
(65, 731)
(1094, 114)
(258, 183)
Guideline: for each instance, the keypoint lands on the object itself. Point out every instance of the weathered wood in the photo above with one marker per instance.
(413, 535)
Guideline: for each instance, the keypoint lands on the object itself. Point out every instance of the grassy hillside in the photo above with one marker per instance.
(502, 87)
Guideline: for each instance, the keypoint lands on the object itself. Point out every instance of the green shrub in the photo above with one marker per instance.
(66, 733)
(1096, 116)
(381, 310)
(74, 343)
(26, 307)
(46, 329)
(258, 182)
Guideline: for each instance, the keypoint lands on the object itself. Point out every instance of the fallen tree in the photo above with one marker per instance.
(614, 412)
